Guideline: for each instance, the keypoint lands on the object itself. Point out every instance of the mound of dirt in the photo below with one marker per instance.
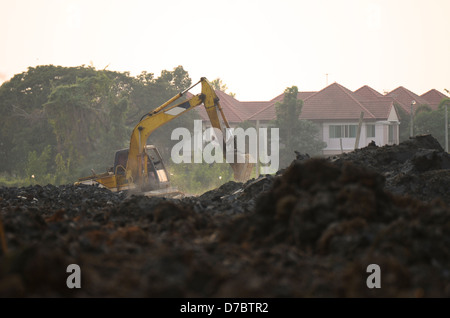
(311, 230)
(417, 167)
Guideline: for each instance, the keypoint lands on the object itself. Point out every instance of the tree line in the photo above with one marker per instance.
(428, 121)
(60, 123)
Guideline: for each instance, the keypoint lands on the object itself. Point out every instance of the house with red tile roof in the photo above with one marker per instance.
(406, 99)
(336, 110)
(367, 93)
(433, 97)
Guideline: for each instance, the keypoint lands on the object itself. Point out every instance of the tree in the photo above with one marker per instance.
(405, 122)
(88, 120)
(178, 79)
(295, 134)
(422, 108)
(149, 93)
(219, 85)
(77, 117)
(23, 124)
(432, 122)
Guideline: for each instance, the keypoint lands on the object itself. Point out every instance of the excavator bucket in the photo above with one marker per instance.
(242, 171)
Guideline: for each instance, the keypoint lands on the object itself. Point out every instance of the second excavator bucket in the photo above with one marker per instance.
(242, 171)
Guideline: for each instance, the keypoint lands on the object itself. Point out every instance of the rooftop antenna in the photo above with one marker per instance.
(327, 79)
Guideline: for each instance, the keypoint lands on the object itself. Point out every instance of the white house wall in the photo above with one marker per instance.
(393, 115)
(348, 144)
(380, 133)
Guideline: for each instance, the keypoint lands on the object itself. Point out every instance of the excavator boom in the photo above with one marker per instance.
(136, 172)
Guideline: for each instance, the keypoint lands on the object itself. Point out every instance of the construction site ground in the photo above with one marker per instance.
(311, 230)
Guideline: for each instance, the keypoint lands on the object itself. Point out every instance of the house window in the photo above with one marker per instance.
(370, 131)
(391, 134)
(335, 131)
(350, 131)
(343, 131)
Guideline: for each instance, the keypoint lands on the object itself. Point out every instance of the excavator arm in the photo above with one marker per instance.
(136, 170)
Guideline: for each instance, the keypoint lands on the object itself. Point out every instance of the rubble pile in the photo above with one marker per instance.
(311, 230)
(418, 167)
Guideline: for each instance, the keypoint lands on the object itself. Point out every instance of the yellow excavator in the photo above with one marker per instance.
(140, 167)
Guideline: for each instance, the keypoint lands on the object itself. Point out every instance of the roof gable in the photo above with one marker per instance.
(367, 93)
(393, 116)
(268, 112)
(404, 97)
(433, 97)
(300, 95)
(381, 107)
(334, 102)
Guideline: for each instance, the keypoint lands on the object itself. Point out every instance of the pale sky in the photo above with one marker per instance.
(257, 47)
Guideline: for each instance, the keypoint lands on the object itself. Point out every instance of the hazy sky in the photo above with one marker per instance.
(257, 47)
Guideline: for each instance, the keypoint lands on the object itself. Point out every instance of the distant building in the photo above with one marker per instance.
(336, 110)
(433, 98)
(404, 97)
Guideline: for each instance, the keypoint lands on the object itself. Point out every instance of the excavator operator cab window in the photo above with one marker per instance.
(152, 176)
(120, 162)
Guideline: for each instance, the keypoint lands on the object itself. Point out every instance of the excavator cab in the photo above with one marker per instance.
(156, 176)
(120, 162)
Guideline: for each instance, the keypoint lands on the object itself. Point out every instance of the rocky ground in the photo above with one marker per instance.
(310, 231)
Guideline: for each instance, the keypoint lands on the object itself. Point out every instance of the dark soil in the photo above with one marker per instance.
(309, 231)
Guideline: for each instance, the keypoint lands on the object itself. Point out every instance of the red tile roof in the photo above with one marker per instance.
(300, 95)
(269, 112)
(235, 111)
(334, 102)
(254, 107)
(378, 104)
(433, 97)
(404, 97)
(380, 108)
(367, 93)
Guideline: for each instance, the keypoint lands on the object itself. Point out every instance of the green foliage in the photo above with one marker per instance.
(149, 93)
(88, 120)
(295, 134)
(432, 122)
(197, 178)
(177, 80)
(405, 119)
(62, 169)
(69, 120)
(13, 181)
(23, 125)
(219, 85)
(405, 122)
(308, 141)
(444, 102)
(37, 169)
(422, 108)
(247, 124)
